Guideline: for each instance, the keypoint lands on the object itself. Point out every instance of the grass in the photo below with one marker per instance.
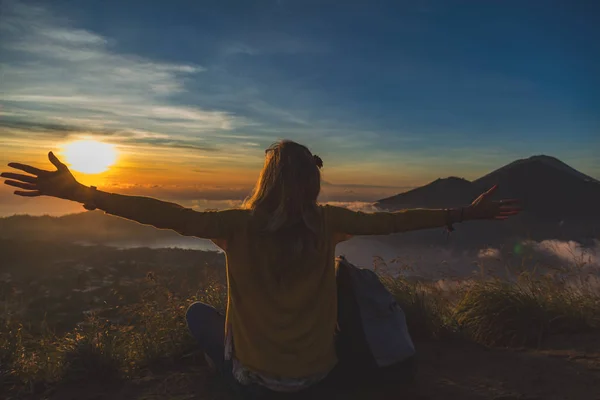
(428, 312)
(151, 332)
(525, 312)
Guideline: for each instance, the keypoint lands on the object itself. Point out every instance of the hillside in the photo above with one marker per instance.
(91, 322)
(58, 282)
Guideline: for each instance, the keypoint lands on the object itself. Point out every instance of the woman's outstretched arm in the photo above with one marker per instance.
(351, 222)
(145, 210)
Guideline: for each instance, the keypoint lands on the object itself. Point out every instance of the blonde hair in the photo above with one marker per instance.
(285, 195)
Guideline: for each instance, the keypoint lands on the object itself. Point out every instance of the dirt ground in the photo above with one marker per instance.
(566, 368)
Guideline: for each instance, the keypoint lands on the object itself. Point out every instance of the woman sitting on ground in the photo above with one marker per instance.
(278, 333)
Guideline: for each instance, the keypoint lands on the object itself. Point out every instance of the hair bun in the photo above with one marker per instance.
(318, 161)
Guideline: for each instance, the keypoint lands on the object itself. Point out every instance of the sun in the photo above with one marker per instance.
(89, 156)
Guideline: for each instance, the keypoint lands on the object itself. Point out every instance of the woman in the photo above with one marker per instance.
(278, 333)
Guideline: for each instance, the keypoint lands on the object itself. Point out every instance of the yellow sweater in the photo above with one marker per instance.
(281, 329)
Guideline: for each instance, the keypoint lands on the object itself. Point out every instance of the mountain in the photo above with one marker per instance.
(546, 161)
(558, 201)
(447, 192)
(547, 188)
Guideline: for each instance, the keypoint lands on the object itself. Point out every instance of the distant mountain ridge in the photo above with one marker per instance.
(94, 227)
(547, 187)
(559, 201)
(446, 192)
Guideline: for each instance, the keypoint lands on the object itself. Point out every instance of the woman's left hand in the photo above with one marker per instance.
(484, 208)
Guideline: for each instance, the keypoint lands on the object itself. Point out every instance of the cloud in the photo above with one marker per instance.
(60, 79)
(489, 253)
(350, 193)
(206, 204)
(325, 183)
(268, 42)
(52, 129)
(355, 205)
(42, 130)
(175, 144)
(571, 252)
(66, 81)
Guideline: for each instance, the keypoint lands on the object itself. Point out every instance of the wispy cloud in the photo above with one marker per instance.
(18, 131)
(378, 111)
(65, 81)
(68, 80)
(261, 43)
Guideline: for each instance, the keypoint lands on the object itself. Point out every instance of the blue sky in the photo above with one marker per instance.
(390, 93)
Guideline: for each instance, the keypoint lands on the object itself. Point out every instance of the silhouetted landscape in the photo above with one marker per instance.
(96, 295)
(468, 110)
(559, 201)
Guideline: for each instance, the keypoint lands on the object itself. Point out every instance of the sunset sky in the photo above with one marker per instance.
(391, 95)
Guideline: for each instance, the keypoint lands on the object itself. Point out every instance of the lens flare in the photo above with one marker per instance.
(518, 249)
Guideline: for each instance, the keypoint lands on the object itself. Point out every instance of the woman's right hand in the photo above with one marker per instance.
(60, 183)
(484, 208)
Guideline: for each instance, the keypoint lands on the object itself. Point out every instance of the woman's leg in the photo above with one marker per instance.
(207, 326)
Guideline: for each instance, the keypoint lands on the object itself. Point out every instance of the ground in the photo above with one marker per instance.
(568, 367)
(69, 327)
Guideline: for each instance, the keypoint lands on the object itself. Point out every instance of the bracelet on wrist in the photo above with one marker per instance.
(449, 221)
